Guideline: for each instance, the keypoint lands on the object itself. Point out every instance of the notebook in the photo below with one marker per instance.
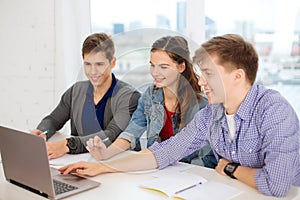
(25, 163)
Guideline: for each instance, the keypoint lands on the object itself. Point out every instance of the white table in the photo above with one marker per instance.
(126, 186)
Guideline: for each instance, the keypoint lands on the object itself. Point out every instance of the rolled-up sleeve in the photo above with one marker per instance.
(281, 151)
(184, 143)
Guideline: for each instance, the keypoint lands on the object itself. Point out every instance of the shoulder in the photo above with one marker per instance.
(266, 98)
(152, 93)
(80, 84)
(77, 87)
(125, 87)
(267, 105)
(125, 90)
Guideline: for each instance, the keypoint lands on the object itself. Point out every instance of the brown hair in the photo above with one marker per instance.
(99, 42)
(233, 52)
(177, 49)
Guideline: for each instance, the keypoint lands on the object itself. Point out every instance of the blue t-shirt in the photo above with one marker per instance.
(90, 107)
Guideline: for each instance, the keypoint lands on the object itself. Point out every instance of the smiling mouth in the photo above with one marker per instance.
(158, 80)
(95, 78)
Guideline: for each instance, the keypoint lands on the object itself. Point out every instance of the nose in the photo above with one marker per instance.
(96, 69)
(155, 70)
(201, 81)
(93, 69)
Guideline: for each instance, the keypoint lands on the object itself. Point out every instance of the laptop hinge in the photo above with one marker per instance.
(28, 188)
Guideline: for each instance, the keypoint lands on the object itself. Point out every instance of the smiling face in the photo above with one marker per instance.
(98, 68)
(164, 70)
(214, 80)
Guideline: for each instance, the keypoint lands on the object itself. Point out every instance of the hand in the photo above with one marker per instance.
(57, 149)
(221, 165)
(97, 148)
(40, 133)
(85, 168)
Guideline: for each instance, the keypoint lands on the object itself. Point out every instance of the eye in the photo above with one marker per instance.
(208, 74)
(100, 64)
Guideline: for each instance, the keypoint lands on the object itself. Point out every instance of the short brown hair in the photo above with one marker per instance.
(232, 52)
(99, 42)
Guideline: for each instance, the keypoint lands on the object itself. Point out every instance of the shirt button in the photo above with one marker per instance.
(233, 152)
(250, 150)
(217, 150)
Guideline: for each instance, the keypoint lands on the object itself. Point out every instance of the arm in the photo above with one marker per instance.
(242, 173)
(100, 152)
(121, 109)
(275, 150)
(59, 116)
(126, 139)
(159, 155)
(280, 128)
(143, 160)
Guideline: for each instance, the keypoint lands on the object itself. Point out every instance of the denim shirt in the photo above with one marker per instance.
(150, 117)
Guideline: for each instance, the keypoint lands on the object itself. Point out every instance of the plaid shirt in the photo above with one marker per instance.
(267, 137)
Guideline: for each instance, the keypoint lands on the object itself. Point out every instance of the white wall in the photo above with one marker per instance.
(40, 56)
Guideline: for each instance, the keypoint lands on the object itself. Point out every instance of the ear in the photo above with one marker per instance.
(113, 62)
(239, 75)
(181, 67)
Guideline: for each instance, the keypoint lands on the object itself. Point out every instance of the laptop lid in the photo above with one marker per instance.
(25, 163)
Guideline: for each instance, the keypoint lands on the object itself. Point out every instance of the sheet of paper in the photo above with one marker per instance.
(172, 183)
(179, 167)
(71, 158)
(210, 191)
(189, 187)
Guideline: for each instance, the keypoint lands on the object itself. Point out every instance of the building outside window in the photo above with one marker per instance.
(273, 26)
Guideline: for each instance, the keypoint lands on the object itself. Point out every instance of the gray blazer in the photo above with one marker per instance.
(118, 111)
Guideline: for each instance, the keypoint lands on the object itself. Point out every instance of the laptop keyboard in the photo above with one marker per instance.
(60, 187)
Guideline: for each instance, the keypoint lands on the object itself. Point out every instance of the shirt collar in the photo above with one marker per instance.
(248, 103)
(158, 95)
(244, 110)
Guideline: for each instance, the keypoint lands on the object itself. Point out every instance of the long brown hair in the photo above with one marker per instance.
(177, 49)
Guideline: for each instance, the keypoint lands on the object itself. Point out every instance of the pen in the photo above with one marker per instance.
(187, 188)
(46, 131)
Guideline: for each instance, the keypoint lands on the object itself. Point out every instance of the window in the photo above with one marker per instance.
(272, 26)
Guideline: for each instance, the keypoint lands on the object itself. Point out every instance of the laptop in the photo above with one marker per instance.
(25, 164)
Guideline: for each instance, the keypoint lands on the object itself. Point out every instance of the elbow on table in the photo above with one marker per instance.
(277, 189)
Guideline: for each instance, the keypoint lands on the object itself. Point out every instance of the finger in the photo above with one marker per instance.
(62, 169)
(90, 149)
(44, 136)
(69, 169)
(90, 142)
(98, 142)
(82, 172)
(97, 139)
(52, 155)
(36, 132)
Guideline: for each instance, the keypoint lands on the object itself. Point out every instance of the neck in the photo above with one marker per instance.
(236, 100)
(100, 90)
(170, 98)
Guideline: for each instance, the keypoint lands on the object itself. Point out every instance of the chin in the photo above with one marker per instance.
(158, 85)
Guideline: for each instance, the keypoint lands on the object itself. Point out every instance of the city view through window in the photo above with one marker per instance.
(272, 26)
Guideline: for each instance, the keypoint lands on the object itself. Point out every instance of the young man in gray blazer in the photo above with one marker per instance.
(100, 106)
